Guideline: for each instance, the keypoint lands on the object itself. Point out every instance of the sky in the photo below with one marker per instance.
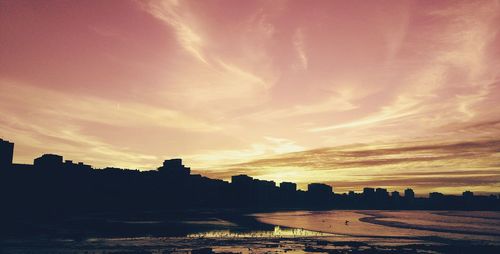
(388, 94)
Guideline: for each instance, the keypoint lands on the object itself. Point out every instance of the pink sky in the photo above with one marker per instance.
(257, 87)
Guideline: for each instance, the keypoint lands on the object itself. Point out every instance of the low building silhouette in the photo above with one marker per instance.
(319, 189)
(175, 168)
(351, 194)
(49, 161)
(468, 194)
(436, 195)
(242, 181)
(80, 166)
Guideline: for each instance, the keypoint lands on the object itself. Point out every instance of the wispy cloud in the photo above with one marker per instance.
(298, 43)
(461, 45)
(53, 105)
(170, 11)
(221, 79)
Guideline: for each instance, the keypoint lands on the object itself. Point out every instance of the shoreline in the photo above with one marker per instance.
(229, 222)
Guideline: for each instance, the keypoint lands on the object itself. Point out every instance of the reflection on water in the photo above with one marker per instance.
(473, 226)
(298, 232)
(276, 233)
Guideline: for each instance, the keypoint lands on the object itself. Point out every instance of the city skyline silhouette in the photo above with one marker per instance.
(108, 188)
(405, 96)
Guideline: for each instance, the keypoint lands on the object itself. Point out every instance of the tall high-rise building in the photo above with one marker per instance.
(409, 194)
(6, 154)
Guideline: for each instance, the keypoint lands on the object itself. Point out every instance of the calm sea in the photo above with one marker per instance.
(395, 226)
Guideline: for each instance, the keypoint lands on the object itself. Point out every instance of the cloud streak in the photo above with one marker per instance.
(425, 165)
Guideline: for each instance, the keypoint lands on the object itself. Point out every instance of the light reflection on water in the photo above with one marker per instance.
(278, 232)
(480, 227)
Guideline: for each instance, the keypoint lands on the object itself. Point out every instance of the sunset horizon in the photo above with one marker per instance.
(250, 126)
(356, 182)
(354, 94)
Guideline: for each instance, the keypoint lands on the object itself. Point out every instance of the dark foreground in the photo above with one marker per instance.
(225, 245)
(234, 232)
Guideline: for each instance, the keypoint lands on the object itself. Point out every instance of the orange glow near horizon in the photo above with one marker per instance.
(352, 93)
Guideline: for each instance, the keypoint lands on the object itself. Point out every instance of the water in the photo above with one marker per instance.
(286, 232)
(399, 226)
(278, 232)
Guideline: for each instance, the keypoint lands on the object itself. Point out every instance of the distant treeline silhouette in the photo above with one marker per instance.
(54, 186)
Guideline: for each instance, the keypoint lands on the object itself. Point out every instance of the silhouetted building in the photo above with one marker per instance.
(436, 195)
(319, 189)
(468, 194)
(263, 190)
(395, 194)
(368, 193)
(381, 193)
(174, 167)
(351, 194)
(69, 165)
(241, 180)
(6, 154)
(409, 194)
(264, 184)
(288, 187)
(49, 161)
